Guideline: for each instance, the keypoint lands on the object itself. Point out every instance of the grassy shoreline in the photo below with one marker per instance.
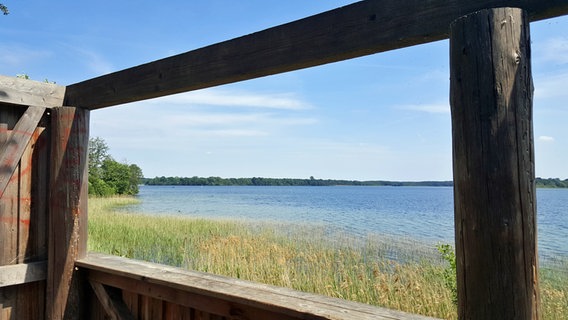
(300, 258)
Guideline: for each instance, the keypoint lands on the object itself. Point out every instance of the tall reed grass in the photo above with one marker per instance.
(375, 270)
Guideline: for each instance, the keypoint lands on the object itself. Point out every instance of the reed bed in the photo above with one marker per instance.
(373, 270)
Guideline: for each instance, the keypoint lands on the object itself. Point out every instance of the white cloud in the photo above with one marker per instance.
(228, 98)
(219, 119)
(546, 139)
(438, 108)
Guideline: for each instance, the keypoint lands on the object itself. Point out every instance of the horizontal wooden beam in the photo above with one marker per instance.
(355, 30)
(22, 273)
(225, 296)
(28, 92)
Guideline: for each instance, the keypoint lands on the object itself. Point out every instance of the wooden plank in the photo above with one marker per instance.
(355, 30)
(113, 305)
(14, 147)
(132, 302)
(23, 180)
(28, 92)
(225, 296)
(22, 273)
(493, 156)
(67, 212)
(36, 242)
(8, 214)
(22, 302)
(15, 182)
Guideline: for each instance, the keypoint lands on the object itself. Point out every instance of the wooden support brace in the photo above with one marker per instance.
(493, 158)
(112, 303)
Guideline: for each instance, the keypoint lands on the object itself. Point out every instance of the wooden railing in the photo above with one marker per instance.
(132, 289)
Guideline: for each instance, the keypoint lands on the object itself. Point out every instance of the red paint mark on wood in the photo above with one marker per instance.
(14, 220)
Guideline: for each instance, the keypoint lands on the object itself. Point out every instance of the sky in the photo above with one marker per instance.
(381, 117)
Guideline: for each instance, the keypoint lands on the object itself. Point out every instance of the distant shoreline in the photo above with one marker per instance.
(259, 181)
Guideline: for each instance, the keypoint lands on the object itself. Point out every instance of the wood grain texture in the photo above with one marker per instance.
(28, 92)
(67, 212)
(23, 217)
(355, 30)
(22, 302)
(16, 143)
(221, 296)
(493, 156)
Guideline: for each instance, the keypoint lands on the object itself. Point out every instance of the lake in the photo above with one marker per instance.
(423, 214)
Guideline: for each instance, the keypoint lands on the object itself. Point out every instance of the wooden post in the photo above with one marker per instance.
(68, 211)
(494, 190)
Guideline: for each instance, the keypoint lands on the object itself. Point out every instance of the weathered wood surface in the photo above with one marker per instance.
(23, 217)
(67, 211)
(493, 156)
(14, 146)
(28, 92)
(153, 285)
(355, 30)
(22, 273)
(23, 302)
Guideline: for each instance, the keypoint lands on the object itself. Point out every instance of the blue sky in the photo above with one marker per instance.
(384, 116)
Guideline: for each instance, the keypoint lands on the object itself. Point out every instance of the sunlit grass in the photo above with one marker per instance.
(299, 257)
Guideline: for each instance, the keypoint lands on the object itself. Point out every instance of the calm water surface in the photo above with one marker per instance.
(420, 213)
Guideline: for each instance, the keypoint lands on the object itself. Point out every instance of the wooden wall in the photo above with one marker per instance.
(23, 219)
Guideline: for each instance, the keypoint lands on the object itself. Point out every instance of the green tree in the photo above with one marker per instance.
(116, 175)
(98, 153)
(107, 176)
(4, 9)
(135, 178)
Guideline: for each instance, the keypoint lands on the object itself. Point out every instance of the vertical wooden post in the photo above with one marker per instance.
(494, 190)
(68, 211)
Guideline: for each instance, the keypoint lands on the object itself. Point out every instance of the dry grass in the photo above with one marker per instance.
(304, 259)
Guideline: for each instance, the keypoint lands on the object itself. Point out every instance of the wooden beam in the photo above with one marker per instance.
(355, 30)
(28, 92)
(67, 236)
(494, 176)
(22, 273)
(13, 148)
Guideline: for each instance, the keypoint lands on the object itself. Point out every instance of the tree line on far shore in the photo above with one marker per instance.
(259, 181)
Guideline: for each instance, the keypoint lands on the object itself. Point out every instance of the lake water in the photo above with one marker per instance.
(424, 214)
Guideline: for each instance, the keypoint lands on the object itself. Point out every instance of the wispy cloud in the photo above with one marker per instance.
(546, 139)
(18, 56)
(229, 98)
(436, 108)
(94, 61)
